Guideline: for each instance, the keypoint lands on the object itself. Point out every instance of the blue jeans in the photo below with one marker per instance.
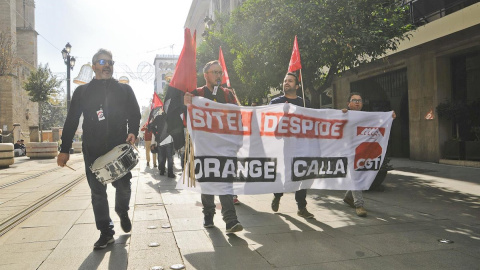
(300, 197)
(165, 153)
(99, 197)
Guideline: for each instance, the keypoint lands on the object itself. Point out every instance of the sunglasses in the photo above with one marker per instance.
(102, 62)
(356, 100)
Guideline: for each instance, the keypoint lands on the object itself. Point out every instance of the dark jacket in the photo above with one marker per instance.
(120, 109)
(298, 101)
(224, 95)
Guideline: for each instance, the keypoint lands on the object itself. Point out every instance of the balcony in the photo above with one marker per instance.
(426, 11)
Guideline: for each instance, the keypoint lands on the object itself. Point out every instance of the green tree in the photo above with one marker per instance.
(42, 86)
(214, 38)
(333, 36)
(52, 115)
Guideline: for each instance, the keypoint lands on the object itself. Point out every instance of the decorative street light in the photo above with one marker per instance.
(70, 62)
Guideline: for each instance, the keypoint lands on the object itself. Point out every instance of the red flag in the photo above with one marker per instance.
(185, 75)
(184, 80)
(156, 101)
(225, 78)
(295, 63)
(154, 108)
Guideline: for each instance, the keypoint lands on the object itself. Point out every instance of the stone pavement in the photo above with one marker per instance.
(422, 203)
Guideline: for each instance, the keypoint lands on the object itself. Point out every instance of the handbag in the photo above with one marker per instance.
(153, 149)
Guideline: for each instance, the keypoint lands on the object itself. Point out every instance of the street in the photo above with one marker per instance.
(422, 204)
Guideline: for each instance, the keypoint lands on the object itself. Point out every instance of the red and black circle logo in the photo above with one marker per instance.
(368, 156)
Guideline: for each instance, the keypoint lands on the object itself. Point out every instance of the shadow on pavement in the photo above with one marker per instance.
(118, 256)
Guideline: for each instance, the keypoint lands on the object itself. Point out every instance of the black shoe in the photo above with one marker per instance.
(162, 172)
(103, 241)
(234, 227)
(171, 175)
(125, 222)
(148, 165)
(304, 213)
(154, 165)
(275, 204)
(208, 221)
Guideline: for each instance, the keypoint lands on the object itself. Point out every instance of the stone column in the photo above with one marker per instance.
(16, 132)
(34, 136)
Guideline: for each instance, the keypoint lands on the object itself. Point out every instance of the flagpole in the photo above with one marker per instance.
(303, 92)
(236, 97)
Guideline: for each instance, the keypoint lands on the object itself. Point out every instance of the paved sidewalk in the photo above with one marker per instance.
(422, 203)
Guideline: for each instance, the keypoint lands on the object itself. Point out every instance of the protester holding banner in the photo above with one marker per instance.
(212, 73)
(354, 198)
(111, 117)
(290, 86)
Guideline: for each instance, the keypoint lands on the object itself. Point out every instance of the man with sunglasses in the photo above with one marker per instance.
(212, 72)
(354, 198)
(111, 116)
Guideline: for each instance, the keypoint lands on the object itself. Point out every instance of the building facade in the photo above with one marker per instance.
(17, 27)
(164, 68)
(440, 63)
(202, 13)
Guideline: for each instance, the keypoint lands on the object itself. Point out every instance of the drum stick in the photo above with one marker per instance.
(135, 147)
(69, 167)
(133, 144)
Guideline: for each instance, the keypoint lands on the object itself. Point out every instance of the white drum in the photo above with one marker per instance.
(115, 164)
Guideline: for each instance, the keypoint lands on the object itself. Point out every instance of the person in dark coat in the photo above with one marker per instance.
(111, 117)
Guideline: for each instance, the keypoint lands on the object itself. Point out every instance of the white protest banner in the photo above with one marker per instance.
(283, 148)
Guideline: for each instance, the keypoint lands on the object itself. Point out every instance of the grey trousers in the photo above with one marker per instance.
(228, 208)
(357, 197)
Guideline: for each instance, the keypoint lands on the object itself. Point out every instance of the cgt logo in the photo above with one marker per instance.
(371, 131)
(368, 156)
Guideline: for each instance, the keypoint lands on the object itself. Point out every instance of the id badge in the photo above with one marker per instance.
(100, 115)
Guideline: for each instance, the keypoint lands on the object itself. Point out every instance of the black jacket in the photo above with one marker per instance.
(297, 101)
(120, 109)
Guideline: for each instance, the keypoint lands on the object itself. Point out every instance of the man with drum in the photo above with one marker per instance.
(111, 117)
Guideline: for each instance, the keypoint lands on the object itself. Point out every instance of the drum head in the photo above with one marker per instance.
(109, 157)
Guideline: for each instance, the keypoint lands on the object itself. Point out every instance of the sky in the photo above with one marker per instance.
(135, 32)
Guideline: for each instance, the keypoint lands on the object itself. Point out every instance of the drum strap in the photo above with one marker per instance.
(107, 109)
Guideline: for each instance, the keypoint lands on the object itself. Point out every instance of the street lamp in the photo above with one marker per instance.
(123, 79)
(70, 62)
